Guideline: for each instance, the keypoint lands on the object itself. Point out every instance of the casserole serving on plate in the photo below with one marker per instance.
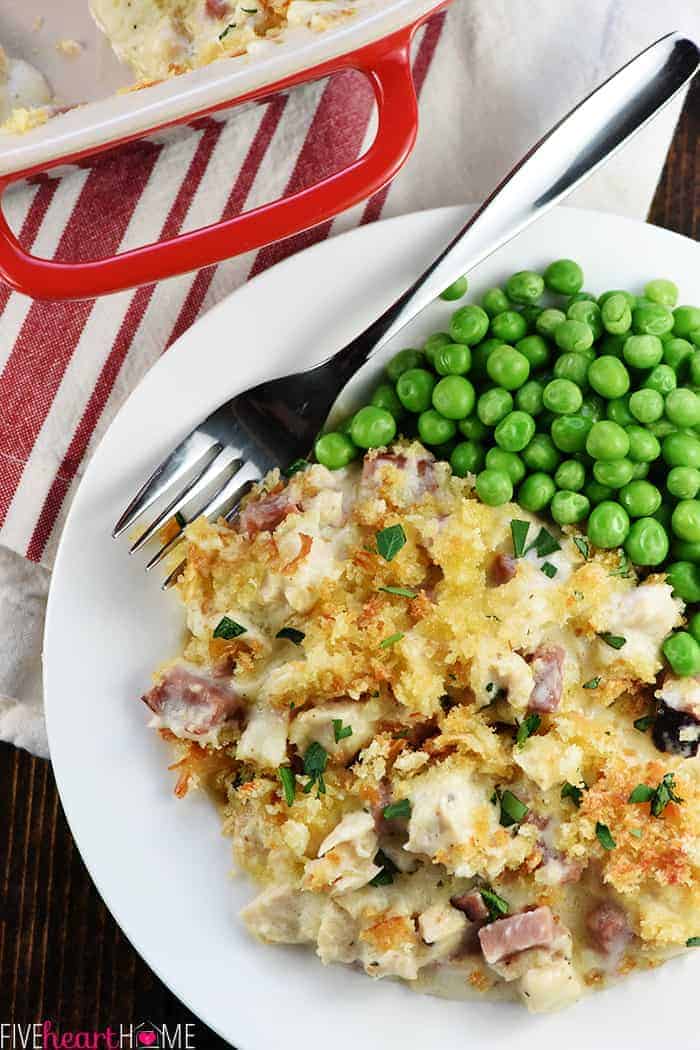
(374, 40)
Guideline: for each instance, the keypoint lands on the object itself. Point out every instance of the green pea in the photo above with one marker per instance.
(685, 520)
(494, 487)
(652, 319)
(677, 353)
(694, 368)
(508, 326)
(510, 462)
(607, 441)
(647, 542)
(618, 410)
(661, 378)
(694, 626)
(562, 397)
(694, 337)
(549, 320)
(681, 450)
(467, 458)
(640, 499)
(663, 516)
(608, 525)
(472, 428)
(639, 471)
(385, 397)
(495, 301)
(683, 408)
(480, 355)
(434, 429)
(570, 475)
(608, 376)
(589, 313)
(372, 427)
(452, 360)
(402, 362)
(531, 312)
(535, 349)
(567, 507)
(541, 455)
(579, 297)
(683, 653)
(335, 450)
(494, 405)
(684, 577)
(646, 405)
(631, 299)
(454, 397)
(415, 389)
(529, 397)
(593, 407)
(564, 276)
(616, 315)
(574, 367)
(456, 290)
(536, 492)
(662, 291)
(644, 446)
(573, 335)
(433, 343)
(643, 351)
(569, 433)
(515, 431)
(612, 345)
(614, 473)
(661, 428)
(683, 482)
(508, 367)
(469, 325)
(524, 287)
(597, 493)
(685, 319)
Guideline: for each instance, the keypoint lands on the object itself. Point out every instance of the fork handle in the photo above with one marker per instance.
(575, 147)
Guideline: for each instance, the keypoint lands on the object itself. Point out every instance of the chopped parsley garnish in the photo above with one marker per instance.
(180, 519)
(642, 793)
(637, 832)
(642, 724)
(224, 32)
(228, 628)
(583, 547)
(298, 464)
(397, 810)
(544, 544)
(512, 809)
(604, 837)
(403, 592)
(340, 732)
(386, 876)
(615, 641)
(529, 725)
(391, 640)
(315, 762)
(497, 906)
(390, 541)
(549, 570)
(291, 634)
(574, 793)
(693, 942)
(592, 683)
(660, 796)
(623, 568)
(289, 783)
(519, 530)
(250, 10)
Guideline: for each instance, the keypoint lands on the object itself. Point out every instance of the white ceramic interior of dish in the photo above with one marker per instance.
(161, 864)
(94, 74)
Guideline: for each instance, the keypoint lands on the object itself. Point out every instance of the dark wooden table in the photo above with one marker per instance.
(62, 956)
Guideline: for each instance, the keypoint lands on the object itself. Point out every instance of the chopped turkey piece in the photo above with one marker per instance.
(264, 739)
(282, 914)
(440, 921)
(191, 704)
(319, 724)
(547, 670)
(516, 933)
(345, 857)
(547, 988)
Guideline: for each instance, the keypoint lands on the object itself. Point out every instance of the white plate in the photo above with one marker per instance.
(161, 865)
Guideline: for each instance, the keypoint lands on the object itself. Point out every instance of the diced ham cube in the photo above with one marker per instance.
(516, 933)
(217, 8)
(608, 928)
(547, 671)
(265, 514)
(190, 704)
(502, 569)
(472, 904)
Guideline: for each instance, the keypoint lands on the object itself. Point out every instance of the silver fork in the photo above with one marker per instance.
(276, 422)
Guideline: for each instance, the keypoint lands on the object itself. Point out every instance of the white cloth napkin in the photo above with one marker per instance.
(503, 72)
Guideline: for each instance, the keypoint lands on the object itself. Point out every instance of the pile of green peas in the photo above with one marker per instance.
(584, 408)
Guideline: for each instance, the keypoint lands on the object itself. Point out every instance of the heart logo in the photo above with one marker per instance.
(147, 1038)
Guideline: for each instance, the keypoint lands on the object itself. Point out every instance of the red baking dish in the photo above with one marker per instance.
(376, 42)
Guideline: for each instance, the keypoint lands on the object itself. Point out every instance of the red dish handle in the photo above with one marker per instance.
(386, 64)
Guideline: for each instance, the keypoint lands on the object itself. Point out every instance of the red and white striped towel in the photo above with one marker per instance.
(492, 76)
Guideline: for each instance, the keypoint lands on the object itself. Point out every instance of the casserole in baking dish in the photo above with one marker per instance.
(375, 40)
